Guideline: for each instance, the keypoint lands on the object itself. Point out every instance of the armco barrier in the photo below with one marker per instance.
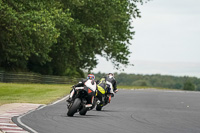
(26, 77)
(1, 76)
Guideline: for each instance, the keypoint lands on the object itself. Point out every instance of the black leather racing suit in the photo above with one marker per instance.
(113, 82)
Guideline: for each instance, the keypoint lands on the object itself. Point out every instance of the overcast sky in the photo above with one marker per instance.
(167, 40)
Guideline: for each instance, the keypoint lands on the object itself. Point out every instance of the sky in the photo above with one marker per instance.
(166, 40)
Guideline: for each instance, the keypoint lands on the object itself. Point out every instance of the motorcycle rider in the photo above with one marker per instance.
(111, 83)
(108, 85)
(90, 83)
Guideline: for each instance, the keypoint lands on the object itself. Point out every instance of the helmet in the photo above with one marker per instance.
(90, 76)
(110, 75)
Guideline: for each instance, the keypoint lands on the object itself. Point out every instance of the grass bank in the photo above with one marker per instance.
(38, 93)
(31, 93)
(142, 87)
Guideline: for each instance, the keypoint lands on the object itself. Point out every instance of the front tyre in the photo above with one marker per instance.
(83, 111)
(75, 106)
(98, 107)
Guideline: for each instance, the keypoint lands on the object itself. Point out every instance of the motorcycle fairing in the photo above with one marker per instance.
(91, 84)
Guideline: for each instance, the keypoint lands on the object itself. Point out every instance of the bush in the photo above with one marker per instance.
(188, 86)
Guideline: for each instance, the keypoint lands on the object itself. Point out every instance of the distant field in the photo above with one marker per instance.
(37, 93)
(31, 93)
(139, 87)
(132, 87)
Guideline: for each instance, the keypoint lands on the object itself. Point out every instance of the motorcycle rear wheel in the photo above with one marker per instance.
(74, 107)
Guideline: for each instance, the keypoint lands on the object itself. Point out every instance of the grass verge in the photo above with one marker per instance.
(141, 87)
(31, 93)
(38, 93)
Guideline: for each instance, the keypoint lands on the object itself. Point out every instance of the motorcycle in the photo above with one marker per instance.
(105, 100)
(80, 101)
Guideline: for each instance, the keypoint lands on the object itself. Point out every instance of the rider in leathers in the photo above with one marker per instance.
(89, 82)
(106, 85)
(111, 82)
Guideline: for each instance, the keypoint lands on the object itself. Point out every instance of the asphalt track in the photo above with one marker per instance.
(130, 111)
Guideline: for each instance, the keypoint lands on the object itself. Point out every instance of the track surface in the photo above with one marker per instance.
(130, 111)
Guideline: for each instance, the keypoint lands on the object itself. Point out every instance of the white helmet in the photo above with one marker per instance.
(111, 75)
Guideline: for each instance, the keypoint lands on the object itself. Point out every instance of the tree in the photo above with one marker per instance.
(188, 86)
(28, 31)
(62, 37)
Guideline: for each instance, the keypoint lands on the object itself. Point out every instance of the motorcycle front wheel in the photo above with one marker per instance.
(98, 107)
(83, 111)
(73, 109)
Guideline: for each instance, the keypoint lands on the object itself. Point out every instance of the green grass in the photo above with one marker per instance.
(38, 93)
(31, 93)
(139, 87)
(131, 87)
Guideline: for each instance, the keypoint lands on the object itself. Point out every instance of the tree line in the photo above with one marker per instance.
(62, 37)
(156, 80)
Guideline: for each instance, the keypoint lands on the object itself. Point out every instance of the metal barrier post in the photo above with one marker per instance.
(1, 76)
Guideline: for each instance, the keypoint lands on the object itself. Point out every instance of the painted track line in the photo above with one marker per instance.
(6, 123)
(29, 128)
